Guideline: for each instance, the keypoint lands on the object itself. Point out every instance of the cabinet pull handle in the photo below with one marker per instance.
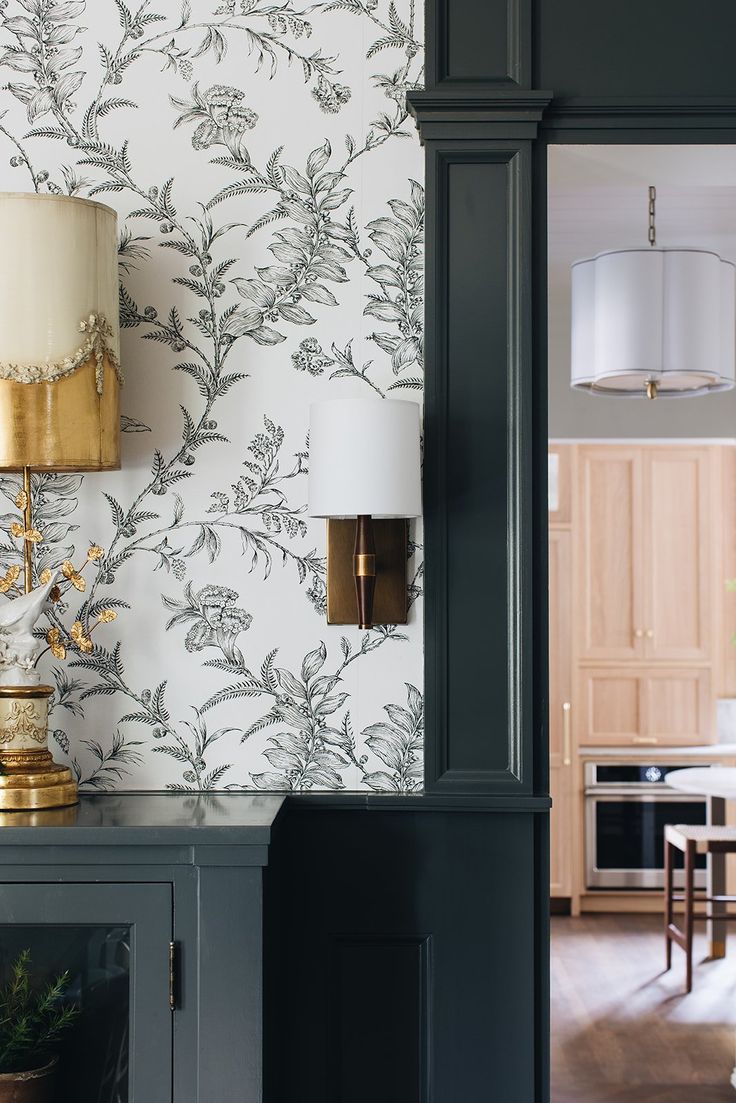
(566, 734)
(172, 976)
(650, 740)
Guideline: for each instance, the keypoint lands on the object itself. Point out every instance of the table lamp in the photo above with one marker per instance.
(364, 477)
(59, 411)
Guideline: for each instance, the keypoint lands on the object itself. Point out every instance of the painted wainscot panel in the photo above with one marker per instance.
(268, 184)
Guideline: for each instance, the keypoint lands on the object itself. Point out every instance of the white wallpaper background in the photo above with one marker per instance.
(268, 183)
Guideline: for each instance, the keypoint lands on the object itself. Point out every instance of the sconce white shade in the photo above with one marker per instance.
(364, 458)
(665, 316)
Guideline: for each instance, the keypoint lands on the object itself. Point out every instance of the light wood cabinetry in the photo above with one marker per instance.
(642, 537)
(560, 484)
(560, 716)
(678, 553)
(610, 615)
(644, 706)
(645, 553)
(724, 599)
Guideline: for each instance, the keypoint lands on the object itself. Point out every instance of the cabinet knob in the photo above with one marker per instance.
(650, 633)
(638, 632)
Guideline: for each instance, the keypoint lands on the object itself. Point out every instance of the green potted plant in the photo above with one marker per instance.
(33, 1020)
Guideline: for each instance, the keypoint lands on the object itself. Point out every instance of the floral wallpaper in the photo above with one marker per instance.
(269, 188)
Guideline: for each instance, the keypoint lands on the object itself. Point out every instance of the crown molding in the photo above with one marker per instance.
(646, 112)
(477, 113)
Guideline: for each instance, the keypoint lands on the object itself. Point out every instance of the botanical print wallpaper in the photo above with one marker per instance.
(268, 183)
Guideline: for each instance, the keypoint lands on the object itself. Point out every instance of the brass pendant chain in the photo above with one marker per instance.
(652, 235)
(652, 215)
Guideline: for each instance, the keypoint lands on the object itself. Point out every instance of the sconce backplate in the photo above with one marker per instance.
(391, 603)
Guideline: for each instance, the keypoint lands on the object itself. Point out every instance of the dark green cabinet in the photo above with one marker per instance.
(113, 941)
(153, 903)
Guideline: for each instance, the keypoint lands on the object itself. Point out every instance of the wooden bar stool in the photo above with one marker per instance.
(691, 839)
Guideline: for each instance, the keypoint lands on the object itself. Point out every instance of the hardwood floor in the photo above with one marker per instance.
(622, 1029)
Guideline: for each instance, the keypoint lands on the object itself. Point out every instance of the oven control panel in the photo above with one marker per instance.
(631, 775)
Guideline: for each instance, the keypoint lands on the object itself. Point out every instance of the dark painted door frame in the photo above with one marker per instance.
(486, 129)
(407, 937)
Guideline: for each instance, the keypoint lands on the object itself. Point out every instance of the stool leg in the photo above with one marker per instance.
(667, 903)
(689, 907)
(716, 880)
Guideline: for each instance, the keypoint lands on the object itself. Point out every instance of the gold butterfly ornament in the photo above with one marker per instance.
(80, 637)
(71, 574)
(9, 579)
(53, 638)
(32, 535)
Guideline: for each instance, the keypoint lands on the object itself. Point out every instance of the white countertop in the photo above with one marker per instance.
(707, 750)
(709, 781)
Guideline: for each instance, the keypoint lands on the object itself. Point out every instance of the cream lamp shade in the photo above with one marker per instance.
(59, 334)
(653, 321)
(364, 458)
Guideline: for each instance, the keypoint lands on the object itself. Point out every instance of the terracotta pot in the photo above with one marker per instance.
(35, 1086)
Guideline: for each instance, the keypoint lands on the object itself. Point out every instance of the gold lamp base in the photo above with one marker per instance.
(27, 787)
(29, 777)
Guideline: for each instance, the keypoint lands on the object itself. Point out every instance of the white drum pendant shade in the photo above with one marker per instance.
(662, 316)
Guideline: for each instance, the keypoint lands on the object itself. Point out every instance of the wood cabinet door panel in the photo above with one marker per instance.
(560, 827)
(560, 640)
(678, 706)
(678, 546)
(560, 484)
(611, 621)
(611, 707)
(560, 718)
(647, 706)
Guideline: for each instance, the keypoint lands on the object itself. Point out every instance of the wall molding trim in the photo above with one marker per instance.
(422, 803)
(488, 113)
(648, 112)
(478, 44)
(478, 736)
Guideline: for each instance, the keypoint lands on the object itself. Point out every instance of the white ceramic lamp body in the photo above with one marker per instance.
(663, 316)
(364, 458)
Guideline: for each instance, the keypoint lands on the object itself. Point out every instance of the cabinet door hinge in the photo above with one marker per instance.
(172, 975)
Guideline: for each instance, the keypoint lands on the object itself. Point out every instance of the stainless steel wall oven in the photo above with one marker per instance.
(627, 805)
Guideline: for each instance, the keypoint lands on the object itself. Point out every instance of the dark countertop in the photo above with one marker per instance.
(163, 819)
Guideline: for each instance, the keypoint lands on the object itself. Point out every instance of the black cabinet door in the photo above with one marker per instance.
(113, 939)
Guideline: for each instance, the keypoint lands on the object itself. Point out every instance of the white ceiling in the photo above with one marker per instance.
(598, 200)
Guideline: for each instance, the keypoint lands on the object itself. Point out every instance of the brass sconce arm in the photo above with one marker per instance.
(364, 569)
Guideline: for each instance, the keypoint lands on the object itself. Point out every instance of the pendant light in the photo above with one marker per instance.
(653, 322)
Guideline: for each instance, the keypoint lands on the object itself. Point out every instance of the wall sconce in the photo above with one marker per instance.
(364, 477)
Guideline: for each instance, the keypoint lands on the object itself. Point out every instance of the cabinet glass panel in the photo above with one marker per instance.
(94, 1052)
